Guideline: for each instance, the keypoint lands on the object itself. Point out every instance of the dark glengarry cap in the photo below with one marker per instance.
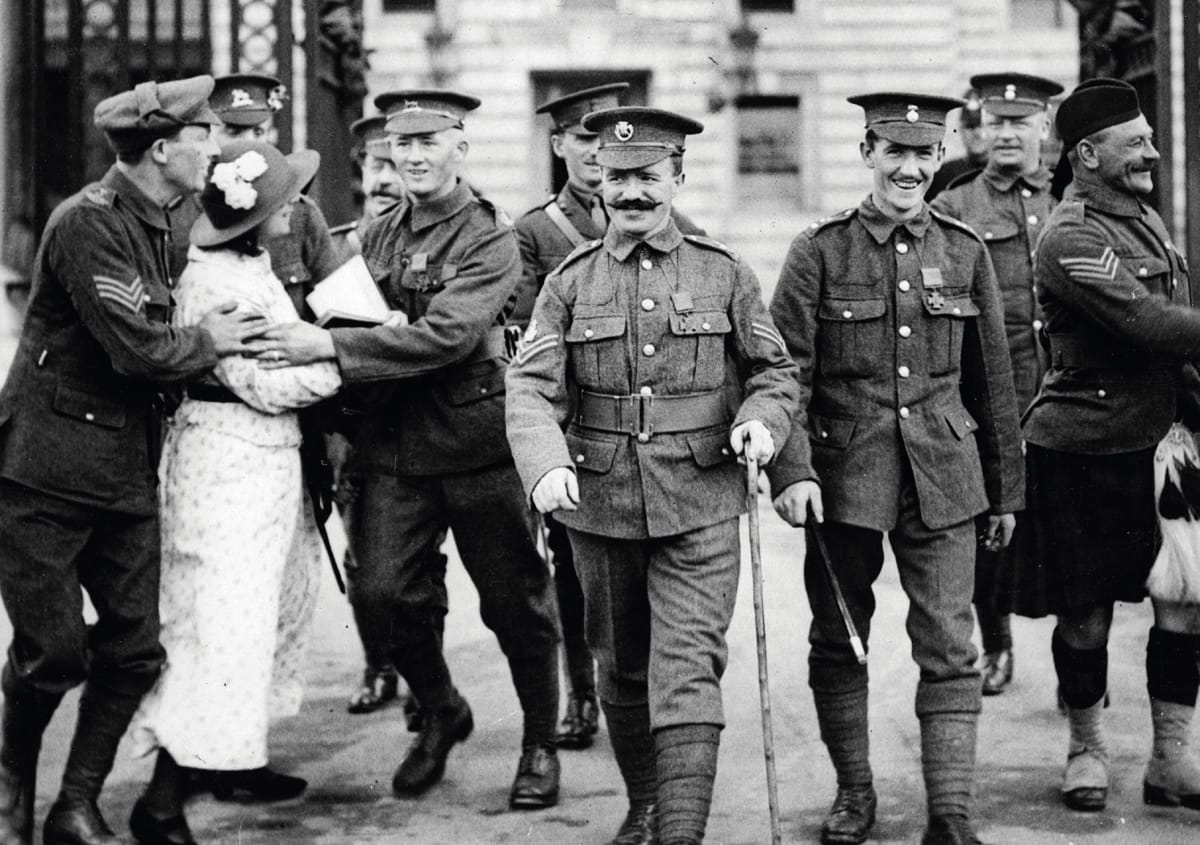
(133, 120)
(1094, 105)
(372, 131)
(1009, 94)
(635, 136)
(247, 99)
(915, 120)
(567, 112)
(415, 112)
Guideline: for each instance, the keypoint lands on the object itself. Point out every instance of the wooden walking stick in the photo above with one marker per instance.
(760, 639)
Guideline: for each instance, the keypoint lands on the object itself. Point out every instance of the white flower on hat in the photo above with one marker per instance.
(276, 97)
(234, 178)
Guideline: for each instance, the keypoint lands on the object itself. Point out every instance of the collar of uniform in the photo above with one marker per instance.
(881, 226)
(1103, 198)
(584, 200)
(442, 208)
(621, 245)
(1004, 180)
(135, 198)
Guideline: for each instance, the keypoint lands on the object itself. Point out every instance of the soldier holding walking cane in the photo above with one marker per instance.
(907, 423)
(637, 333)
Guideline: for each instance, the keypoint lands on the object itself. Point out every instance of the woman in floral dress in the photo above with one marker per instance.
(232, 509)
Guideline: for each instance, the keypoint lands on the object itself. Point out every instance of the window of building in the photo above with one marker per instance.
(768, 134)
(410, 5)
(768, 5)
(1037, 14)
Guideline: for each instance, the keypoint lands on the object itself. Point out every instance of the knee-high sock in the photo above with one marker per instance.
(1082, 673)
(686, 758)
(633, 746)
(840, 694)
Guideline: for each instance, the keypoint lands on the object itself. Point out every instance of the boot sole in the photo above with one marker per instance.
(1159, 796)
(1086, 800)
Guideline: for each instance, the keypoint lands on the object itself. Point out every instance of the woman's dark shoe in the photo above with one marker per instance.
(151, 830)
(250, 786)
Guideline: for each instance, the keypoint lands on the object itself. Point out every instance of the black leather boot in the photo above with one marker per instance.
(26, 714)
(74, 822)
(425, 762)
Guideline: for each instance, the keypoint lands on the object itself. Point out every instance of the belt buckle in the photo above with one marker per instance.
(642, 406)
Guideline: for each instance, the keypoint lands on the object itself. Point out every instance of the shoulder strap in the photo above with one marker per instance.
(562, 223)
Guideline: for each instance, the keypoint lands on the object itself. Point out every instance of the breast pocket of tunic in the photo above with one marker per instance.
(596, 345)
(702, 335)
(1151, 271)
(948, 314)
(851, 336)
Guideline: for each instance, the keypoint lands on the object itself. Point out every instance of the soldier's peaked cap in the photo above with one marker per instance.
(372, 131)
(636, 136)
(246, 99)
(133, 120)
(567, 111)
(1094, 105)
(417, 111)
(1010, 94)
(915, 120)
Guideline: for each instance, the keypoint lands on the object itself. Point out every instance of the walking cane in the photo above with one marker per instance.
(855, 640)
(760, 638)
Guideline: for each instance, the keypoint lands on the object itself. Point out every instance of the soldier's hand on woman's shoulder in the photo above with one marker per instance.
(794, 502)
(557, 490)
(231, 328)
(753, 440)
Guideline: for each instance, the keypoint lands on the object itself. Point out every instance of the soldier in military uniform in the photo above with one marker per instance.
(79, 423)
(907, 424)
(380, 184)
(974, 155)
(1122, 330)
(1008, 203)
(431, 450)
(631, 338)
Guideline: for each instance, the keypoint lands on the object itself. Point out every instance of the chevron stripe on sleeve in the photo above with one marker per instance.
(530, 350)
(1092, 270)
(768, 333)
(129, 295)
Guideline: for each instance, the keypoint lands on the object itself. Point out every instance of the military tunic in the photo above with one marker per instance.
(1122, 329)
(656, 529)
(431, 447)
(908, 421)
(79, 429)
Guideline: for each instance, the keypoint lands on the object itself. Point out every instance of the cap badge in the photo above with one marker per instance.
(240, 99)
(913, 115)
(1010, 92)
(411, 105)
(623, 130)
(276, 97)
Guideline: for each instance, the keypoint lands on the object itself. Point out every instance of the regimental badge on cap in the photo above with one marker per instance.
(418, 111)
(567, 111)
(247, 99)
(915, 120)
(1011, 94)
(636, 136)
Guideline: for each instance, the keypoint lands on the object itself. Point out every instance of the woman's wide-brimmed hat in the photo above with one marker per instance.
(249, 182)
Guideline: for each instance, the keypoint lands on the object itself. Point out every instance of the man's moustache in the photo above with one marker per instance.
(634, 205)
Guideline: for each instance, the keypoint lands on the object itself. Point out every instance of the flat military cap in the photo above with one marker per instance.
(133, 120)
(1094, 105)
(372, 131)
(1010, 94)
(970, 117)
(636, 136)
(568, 111)
(415, 112)
(247, 99)
(915, 120)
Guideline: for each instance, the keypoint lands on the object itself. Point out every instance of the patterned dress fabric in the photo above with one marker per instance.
(241, 555)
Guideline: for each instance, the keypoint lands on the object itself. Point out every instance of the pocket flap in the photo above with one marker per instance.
(599, 327)
(591, 454)
(700, 322)
(830, 431)
(851, 310)
(950, 306)
(997, 230)
(477, 387)
(711, 449)
(1144, 266)
(80, 405)
(961, 423)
